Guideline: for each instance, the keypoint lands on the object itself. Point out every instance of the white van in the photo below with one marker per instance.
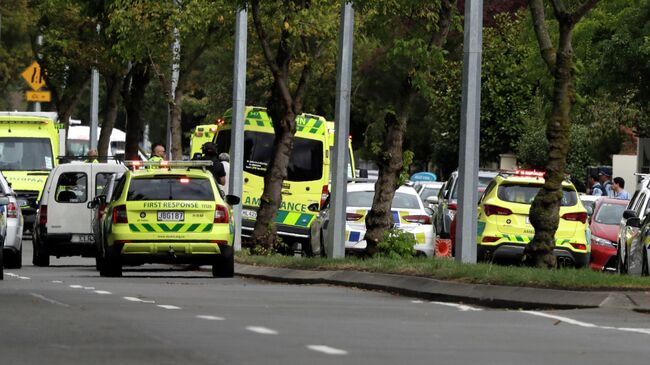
(78, 136)
(63, 224)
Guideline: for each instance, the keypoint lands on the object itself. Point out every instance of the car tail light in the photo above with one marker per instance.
(452, 206)
(219, 242)
(351, 217)
(579, 246)
(576, 217)
(494, 209)
(185, 180)
(12, 212)
(323, 196)
(42, 215)
(119, 214)
(422, 219)
(490, 239)
(220, 214)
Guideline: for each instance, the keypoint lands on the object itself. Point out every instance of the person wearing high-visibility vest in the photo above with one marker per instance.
(157, 153)
(91, 157)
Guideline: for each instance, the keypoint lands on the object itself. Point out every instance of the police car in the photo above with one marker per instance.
(167, 212)
(504, 227)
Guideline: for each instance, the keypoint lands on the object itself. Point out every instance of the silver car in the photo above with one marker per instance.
(13, 245)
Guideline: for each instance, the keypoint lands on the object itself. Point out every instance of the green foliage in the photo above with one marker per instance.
(396, 244)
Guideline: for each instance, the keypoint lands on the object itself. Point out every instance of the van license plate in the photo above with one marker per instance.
(171, 216)
(82, 238)
(249, 214)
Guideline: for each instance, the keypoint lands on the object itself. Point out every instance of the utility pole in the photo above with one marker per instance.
(236, 174)
(176, 59)
(94, 105)
(39, 42)
(470, 117)
(335, 244)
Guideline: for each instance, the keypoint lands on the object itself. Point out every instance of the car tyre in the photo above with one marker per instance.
(224, 264)
(40, 256)
(14, 260)
(111, 267)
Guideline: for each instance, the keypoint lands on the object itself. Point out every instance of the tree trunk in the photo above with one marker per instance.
(175, 125)
(113, 87)
(133, 92)
(544, 212)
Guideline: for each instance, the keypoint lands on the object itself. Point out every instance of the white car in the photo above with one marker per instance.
(409, 215)
(13, 247)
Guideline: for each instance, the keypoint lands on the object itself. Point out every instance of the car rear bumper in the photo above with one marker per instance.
(283, 230)
(60, 244)
(170, 252)
(513, 252)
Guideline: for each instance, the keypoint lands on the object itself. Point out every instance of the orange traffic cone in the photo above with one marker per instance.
(443, 247)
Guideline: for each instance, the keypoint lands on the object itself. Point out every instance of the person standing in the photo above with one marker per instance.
(157, 152)
(619, 189)
(209, 150)
(596, 188)
(91, 157)
(225, 161)
(605, 181)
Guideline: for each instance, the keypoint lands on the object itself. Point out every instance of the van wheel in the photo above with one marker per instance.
(40, 256)
(111, 267)
(224, 264)
(14, 260)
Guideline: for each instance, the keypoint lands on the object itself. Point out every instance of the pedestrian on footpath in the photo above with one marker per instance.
(605, 180)
(225, 161)
(596, 188)
(618, 188)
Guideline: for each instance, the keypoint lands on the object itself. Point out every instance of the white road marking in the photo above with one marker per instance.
(574, 322)
(461, 307)
(327, 350)
(262, 330)
(57, 281)
(417, 301)
(76, 286)
(134, 299)
(211, 318)
(166, 306)
(48, 300)
(11, 274)
(89, 287)
(102, 292)
(24, 278)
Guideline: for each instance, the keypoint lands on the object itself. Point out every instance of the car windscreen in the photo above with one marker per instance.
(610, 213)
(25, 154)
(305, 164)
(400, 200)
(525, 193)
(427, 192)
(170, 187)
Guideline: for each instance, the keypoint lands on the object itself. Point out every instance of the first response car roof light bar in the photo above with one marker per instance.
(134, 164)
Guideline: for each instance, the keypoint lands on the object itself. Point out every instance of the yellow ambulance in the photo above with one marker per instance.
(308, 173)
(29, 146)
(202, 134)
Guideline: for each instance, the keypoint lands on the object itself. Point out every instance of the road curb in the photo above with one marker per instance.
(494, 296)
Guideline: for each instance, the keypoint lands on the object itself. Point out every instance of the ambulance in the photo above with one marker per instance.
(202, 134)
(308, 176)
(29, 146)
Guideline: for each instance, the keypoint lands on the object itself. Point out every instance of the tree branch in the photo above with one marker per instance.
(583, 9)
(541, 32)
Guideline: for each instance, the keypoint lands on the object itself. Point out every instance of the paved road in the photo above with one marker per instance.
(169, 315)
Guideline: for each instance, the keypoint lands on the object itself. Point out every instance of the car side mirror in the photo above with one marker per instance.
(232, 199)
(433, 199)
(634, 222)
(91, 204)
(629, 213)
(313, 207)
(428, 210)
(4, 200)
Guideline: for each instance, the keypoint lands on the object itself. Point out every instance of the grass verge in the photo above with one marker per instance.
(446, 269)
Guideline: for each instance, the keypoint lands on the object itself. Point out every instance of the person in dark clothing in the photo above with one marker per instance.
(596, 188)
(209, 150)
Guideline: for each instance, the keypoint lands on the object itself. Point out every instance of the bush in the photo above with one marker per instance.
(396, 244)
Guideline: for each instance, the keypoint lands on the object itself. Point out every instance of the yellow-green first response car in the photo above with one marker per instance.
(173, 214)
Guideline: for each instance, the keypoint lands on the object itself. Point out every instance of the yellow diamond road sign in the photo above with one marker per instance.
(34, 76)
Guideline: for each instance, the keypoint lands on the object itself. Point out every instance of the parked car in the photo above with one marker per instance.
(629, 251)
(13, 242)
(604, 224)
(428, 190)
(63, 226)
(409, 215)
(448, 200)
(504, 227)
(589, 202)
(4, 201)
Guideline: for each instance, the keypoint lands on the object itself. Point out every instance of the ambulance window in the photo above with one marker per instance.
(101, 180)
(71, 187)
(25, 154)
(170, 187)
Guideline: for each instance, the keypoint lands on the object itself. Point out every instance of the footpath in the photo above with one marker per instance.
(495, 296)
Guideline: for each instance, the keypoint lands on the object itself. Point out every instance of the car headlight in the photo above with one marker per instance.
(601, 241)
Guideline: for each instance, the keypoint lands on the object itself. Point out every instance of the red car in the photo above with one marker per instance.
(604, 224)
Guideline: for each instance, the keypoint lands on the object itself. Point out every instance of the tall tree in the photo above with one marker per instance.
(409, 36)
(305, 28)
(545, 210)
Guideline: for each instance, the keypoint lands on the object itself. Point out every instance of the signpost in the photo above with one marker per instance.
(36, 80)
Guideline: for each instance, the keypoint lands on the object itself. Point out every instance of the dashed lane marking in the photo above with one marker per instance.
(210, 318)
(89, 287)
(10, 274)
(262, 330)
(24, 278)
(567, 320)
(166, 306)
(103, 292)
(76, 286)
(461, 307)
(417, 301)
(57, 281)
(134, 299)
(327, 350)
(48, 300)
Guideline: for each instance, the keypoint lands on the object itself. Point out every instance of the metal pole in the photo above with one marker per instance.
(176, 56)
(94, 108)
(236, 175)
(335, 244)
(470, 117)
(39, 42)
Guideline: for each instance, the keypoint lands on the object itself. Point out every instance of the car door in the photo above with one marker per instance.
(68, 213)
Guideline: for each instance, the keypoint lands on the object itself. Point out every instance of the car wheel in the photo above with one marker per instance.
(14, 260)
(224, 264)
(40, 256)
(111, 267)
(644, 265)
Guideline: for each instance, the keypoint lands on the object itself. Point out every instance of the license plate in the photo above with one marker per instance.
(171, 216)
(249, 214)
(83, 238)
